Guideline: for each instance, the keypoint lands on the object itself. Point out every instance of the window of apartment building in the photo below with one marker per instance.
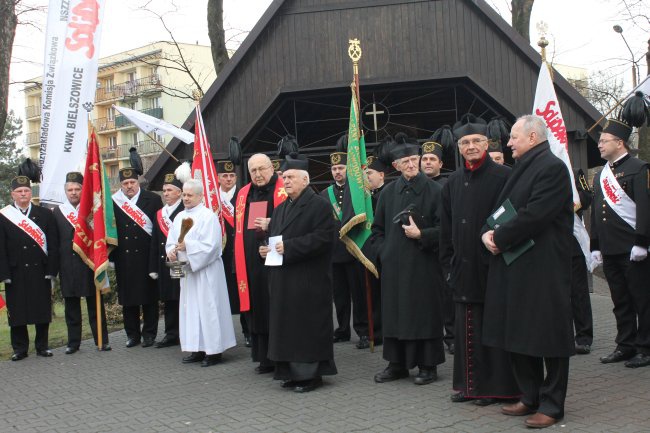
(112, 171)
(112, 142)
(134, 138)
(110, 113)
(108, 84)
(130, 76)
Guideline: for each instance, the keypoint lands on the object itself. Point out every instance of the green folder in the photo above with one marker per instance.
(503, 214)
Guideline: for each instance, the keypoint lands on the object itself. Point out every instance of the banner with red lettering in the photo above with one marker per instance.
(69, 85)
(547, 106)
(95, 230)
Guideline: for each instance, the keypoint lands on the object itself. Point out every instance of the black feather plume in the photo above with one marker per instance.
(342, 143)
(498, 131)
(30, 169)
(636, 111)
(287, 145)
(445, 136)
(135, 161)
(401, 138)
(383, 150)
(234, 150)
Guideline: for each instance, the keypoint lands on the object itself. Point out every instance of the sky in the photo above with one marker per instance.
(579, 31)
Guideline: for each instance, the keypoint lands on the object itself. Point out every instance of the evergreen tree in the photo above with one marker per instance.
(10, 156)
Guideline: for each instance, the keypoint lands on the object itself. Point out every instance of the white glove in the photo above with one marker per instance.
(7, 281)
(597, 257)
(638, 253)
(153, 275)
(111, 265)
(49, 277)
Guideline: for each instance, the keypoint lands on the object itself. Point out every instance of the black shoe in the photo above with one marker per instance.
(167, 342)
(308, 385)
(451, 348)
(484, 401)
(70, 350)
(105, 348)
(247, 341)
(426, 376)
(363, 342)
(18, 356)
(390, 374)
(617, 356)
(194, 357)
(339, 339)
(289, 383)
(639, 360)
(44, 353)
(148, 342)
(459, 397)
(132, 342)
(583, 349)
(211, 360)
(263, 369)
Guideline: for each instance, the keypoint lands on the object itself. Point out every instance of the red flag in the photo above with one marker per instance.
(95, 227)
(2, 302)
(203, 168)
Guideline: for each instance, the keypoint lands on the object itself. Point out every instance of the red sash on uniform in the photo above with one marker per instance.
(279, 196)
(164, 227)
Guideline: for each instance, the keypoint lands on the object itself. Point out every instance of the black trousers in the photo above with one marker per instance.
(20, 337)
(448, 313)
(171, 319)
(349, 285)
(628, 285)
(544, 394)
(580, 302)
(131, 317)
(375, 284)
(73, 320)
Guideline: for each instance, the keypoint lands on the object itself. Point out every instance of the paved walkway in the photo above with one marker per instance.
(148, 390)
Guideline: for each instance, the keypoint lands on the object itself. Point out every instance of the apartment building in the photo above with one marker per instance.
(149, 79)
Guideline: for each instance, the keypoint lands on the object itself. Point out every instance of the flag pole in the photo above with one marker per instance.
(162, 147)
(355, 52)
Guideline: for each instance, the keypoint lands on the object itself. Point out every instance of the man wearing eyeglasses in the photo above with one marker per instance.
(620, 235)
(482, 374)
(527, 309)
(254, 208)
(405, 237)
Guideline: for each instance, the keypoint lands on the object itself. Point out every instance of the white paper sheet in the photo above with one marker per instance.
(273, 258)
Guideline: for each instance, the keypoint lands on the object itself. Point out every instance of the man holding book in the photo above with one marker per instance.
(528, 301)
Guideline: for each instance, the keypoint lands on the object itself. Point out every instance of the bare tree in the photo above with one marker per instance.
(9, 20)
(217, 34)
(521, 10)
(603, 90)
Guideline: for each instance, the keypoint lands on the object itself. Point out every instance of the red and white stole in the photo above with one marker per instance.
(69, 212)
(133, 211)
(29, 227)
(616, 197)
(164, 217)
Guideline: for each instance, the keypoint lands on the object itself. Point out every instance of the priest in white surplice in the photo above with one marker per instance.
(205, 326)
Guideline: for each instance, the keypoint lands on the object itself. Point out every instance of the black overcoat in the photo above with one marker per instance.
(528, 304)
(75, 276)
(169, 289)
(227, 257)
(411, 277)
(131, 257)
(29, 296)
(468, 198)
(300, 327)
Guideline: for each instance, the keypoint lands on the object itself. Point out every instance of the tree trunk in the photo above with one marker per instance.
(7, 34)
(217, 34)
(521, 10)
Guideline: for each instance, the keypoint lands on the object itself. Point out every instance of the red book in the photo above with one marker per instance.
(256, 209)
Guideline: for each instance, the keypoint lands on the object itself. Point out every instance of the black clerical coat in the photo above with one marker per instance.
(411, 277)
(76, 278)
(301, 325)
(468, 198)
(528, 303)
(169, 289)
(258, 317)
(609, 232)
(227, 257)
(29, 296)
(131, 257)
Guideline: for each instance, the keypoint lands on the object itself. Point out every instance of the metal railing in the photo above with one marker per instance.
(128, 88)
(32, 138)
(32, 111)
(145, 147)
(104, 124)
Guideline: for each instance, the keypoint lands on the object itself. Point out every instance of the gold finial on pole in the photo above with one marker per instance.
(542, 29)
(354, 51)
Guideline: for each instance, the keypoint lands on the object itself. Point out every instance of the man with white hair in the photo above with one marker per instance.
(527, 308)
(205, 322)
(300, 326)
